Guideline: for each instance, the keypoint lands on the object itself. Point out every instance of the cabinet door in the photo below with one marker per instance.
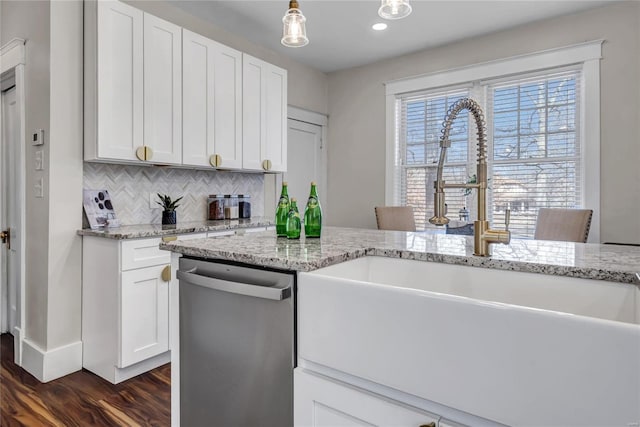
(144, 305)
(264, 118)
(253, 112)
(276, 118)
(323, 402)
(212, 103)
(163, 90)
(119, 80)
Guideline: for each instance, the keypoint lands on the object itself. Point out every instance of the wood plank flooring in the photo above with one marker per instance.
(82, 398)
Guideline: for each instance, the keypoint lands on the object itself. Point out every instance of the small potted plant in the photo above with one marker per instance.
(169, 206)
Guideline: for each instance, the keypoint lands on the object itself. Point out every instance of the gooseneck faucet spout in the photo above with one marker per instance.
(483, 234)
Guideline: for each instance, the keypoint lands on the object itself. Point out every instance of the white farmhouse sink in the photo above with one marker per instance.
(517, 348)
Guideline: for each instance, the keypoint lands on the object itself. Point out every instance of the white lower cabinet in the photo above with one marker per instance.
(145, 320)
(320, 401)
(125, 305)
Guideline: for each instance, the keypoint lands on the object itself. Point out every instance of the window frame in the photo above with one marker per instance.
(585, 55)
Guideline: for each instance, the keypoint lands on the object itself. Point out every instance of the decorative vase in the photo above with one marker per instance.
(168, 217)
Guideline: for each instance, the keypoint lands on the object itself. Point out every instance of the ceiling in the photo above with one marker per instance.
(340, 34)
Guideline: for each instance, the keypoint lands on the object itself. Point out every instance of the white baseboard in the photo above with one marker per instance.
(52, 364)
(17, 346)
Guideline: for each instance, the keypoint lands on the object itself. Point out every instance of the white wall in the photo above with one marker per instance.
(65, 173)
(357, 111)
(53, 86)
(30, 21)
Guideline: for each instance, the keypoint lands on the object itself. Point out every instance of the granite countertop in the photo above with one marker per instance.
(156, 230)
(590, 261)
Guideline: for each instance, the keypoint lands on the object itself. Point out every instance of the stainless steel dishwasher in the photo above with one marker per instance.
(237, 350)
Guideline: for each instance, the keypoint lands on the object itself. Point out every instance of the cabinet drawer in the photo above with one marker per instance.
(143, 253)
(323, 402)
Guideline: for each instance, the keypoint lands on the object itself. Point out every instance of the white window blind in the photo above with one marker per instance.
(420, 118)
(536, 154)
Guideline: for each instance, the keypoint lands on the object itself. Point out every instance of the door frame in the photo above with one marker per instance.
(13, 56)
(318, 119)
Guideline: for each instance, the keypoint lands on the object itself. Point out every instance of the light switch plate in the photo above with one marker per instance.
(38, 188)
(39, 160)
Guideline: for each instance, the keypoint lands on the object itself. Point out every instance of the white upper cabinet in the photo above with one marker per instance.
(158, 93)
(212, 103)
(264, 119)
(162, 90)
(133, 85)
(113, 81)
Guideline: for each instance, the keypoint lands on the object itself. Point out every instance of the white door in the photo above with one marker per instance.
(305, 162)
(9, 211)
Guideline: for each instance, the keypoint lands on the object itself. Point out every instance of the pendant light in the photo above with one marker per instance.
(394, 9)
(294, 33)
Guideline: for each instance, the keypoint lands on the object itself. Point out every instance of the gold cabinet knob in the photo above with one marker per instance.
(166, 273)
(266, 165)
(144, 153)
(215, 160)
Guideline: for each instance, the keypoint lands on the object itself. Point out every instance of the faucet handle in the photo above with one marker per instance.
(507, 219)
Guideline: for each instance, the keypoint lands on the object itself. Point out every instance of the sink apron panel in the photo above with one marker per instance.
(514, 365)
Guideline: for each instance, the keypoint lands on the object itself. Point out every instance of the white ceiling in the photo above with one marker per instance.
(340, 34)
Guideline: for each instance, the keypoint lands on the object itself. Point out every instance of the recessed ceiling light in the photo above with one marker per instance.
(379, 26)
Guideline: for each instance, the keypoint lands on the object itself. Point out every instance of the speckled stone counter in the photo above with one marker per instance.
(591, 261)
(155, 230)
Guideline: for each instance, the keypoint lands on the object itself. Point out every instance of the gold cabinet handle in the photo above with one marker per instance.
(169, 238)
(431, 424)
(215, 160)
(144, 153)
(166, 273)
(266, 165)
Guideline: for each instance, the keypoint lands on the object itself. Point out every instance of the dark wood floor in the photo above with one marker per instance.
(82, 398)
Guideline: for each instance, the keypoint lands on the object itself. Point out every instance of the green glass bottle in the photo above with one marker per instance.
(293, 221)
(313, 214)
(282, 212)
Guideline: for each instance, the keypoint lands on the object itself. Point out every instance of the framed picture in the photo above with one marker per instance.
(98, 209)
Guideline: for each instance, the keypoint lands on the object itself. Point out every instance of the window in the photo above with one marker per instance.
(541, 112)
(422, 117)
(535, 161)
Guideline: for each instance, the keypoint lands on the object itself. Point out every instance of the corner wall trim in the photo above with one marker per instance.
(13, 54)
(52, 364)
(307, 116)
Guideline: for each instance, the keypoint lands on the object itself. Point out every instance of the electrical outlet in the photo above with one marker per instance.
(153, 198)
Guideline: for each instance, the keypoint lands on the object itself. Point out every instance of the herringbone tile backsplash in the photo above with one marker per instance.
(130, 186)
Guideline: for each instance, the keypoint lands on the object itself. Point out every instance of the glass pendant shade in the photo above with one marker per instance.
(394, 9)
(294, 32)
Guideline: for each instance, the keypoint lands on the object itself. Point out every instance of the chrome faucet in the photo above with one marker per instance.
(483, 235)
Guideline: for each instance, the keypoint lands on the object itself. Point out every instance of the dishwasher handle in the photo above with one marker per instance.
(277, 293)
